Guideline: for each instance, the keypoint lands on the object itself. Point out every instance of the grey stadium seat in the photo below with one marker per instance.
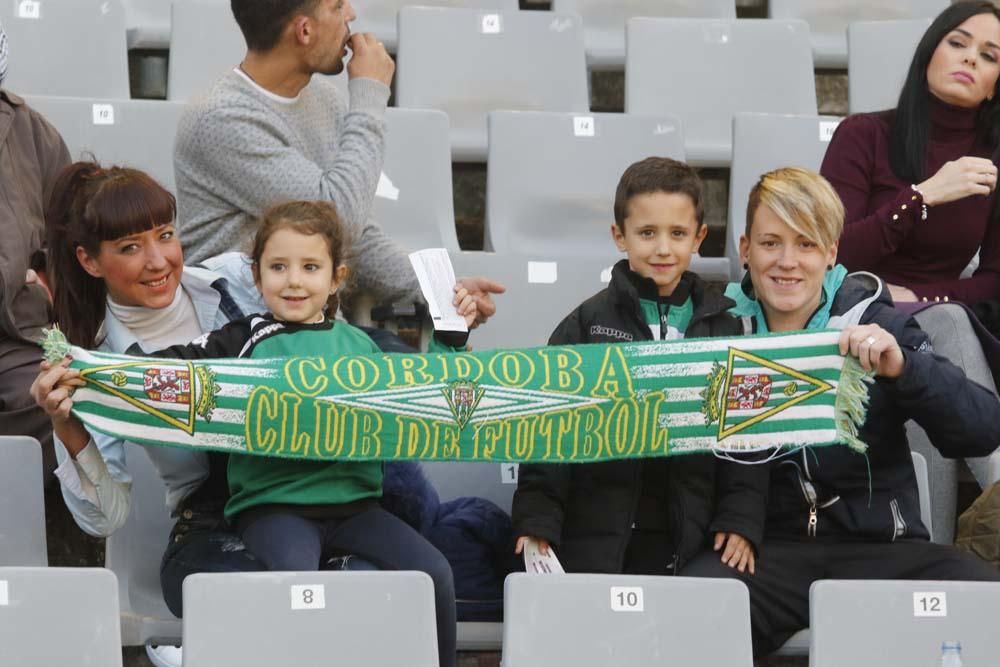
(762, 142)
(66, 47)
(379, 16)
(148, 23)
(705, 71)
(828, 20)
(22, 513)
(205, 44)
(414, 202)
(133, 133)
(593, 620)
(541, 290)
(902, 623)
(536, 204)
(531, 61)
(878, 57)
(604, 21)
(54, 616)
(369, 619)
(134, 553)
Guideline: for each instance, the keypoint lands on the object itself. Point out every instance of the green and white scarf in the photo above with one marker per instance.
(579, 403)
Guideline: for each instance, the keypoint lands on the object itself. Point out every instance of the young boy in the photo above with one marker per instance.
(646, 516)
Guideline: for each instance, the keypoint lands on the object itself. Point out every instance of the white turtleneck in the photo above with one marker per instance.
(157, 328)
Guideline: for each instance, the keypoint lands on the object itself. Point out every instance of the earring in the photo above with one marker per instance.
(829, 267)
(746, 267)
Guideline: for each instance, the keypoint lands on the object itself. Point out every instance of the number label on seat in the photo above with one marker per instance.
(826, 129)
(104, 114)
(491, 24)
(626, 598)
(583, 126)
(309, 596)
(930, 604)
(29, 9)
(508, 473)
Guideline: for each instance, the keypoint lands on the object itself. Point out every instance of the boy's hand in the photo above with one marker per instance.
(543, 545)
(738, 552)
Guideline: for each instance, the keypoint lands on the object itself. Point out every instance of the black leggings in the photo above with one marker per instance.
(289, 542)
(779, 591)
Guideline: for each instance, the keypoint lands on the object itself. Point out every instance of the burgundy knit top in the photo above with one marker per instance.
(884, 232)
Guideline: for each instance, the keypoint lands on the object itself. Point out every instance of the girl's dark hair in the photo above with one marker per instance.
(911, 124)
(91, 204)
(309, 218)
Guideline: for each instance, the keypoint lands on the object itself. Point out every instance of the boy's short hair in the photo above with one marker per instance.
(263, 21)
(803, 200)
(659, 174)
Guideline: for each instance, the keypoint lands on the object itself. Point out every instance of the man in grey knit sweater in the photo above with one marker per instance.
(269, 131)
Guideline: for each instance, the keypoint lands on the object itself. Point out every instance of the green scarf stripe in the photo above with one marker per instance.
(582, 403)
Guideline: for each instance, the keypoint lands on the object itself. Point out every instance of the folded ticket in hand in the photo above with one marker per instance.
(535, 562)
(437, 282)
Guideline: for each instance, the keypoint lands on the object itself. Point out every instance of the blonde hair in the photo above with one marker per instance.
(803, 200)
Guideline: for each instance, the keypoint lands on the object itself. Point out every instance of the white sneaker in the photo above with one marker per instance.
(164, 655)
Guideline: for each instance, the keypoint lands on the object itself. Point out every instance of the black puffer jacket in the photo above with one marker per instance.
(874, 497)
(587, 510)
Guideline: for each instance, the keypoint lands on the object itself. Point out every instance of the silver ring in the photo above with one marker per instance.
(870, 340)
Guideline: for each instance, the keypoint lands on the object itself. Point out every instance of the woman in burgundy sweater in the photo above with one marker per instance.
(918, 181)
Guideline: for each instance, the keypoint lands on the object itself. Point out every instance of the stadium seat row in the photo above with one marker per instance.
(134, 552)
(386, 619)
(699, 70)
(148, 22)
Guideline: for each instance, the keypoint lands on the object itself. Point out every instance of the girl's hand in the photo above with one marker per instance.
(466, 306)
(53, 391)
(738, 552)
(543, 545)
(958, 179)
(875, 348)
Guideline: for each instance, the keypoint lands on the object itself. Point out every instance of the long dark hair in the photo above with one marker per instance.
(911, 125)
(91, 204)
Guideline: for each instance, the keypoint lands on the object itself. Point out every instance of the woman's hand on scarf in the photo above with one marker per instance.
(875, 349)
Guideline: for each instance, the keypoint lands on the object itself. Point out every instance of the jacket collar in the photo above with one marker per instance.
(199, 285)
(627, 287)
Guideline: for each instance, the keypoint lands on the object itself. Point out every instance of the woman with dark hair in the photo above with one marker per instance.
(917, 181)
(120, 285)
(918, 186)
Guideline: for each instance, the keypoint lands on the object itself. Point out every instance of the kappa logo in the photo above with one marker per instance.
(617, 334)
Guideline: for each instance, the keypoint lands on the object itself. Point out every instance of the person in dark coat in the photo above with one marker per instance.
(834, 513)
(646, 516)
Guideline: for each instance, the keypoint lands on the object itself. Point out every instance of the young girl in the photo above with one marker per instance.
(295, 515)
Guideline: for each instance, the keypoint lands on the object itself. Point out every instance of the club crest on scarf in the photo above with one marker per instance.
(749, 389)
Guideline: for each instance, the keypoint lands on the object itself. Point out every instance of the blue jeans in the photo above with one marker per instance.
(284, 541)
(201, 543)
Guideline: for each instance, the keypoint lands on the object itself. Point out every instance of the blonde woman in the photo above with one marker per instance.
(832, 512)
